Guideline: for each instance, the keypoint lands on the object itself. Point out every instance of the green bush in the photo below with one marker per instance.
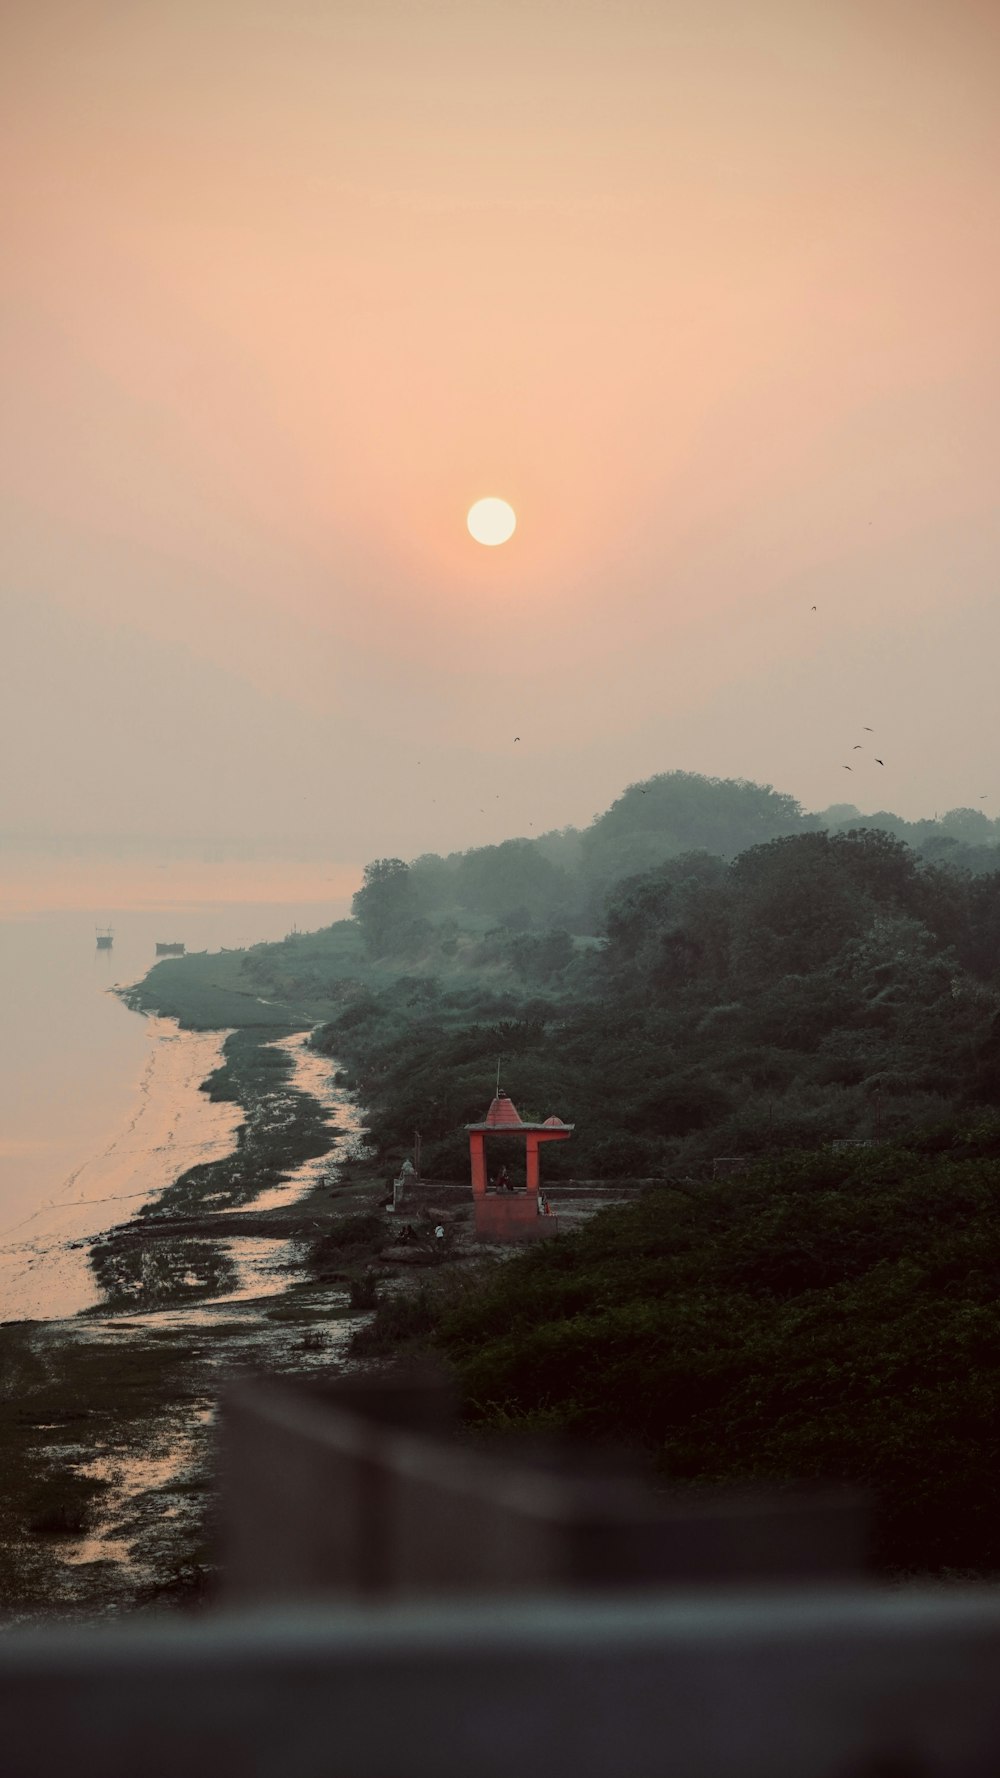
(363, 1292)
(829, 1317)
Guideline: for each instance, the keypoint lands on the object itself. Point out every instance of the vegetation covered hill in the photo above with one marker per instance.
(707, 972)
(747, 990)
(816, 987)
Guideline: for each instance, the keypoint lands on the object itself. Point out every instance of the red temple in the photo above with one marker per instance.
(503, 1215)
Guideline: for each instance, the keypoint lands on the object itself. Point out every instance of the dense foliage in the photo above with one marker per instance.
(708, 972)
(828, 1317)
(819, 986)
(562, 879)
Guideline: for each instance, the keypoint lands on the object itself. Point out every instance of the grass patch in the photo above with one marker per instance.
(62, 1504)
(208, 992)
(350, 1244)
(297, 1316)
(159, 1273)
(402, 1323)
(363, 1292)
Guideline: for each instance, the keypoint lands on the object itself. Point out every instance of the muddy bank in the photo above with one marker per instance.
(107, 1420)
(183, 1246)
(45, 1268)
(220, 1122)
(107, 1417)
(258, 1254)
(107, 1445)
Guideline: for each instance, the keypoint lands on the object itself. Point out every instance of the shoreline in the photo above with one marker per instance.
(237, 1175)
(106, 1429)
(45, 1271)
(232, 1228)
(188, 1122)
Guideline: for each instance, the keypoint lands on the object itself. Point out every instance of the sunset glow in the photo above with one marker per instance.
(274, 322)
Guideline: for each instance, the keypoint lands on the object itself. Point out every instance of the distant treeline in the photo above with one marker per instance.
(562, 879)
(684, 980)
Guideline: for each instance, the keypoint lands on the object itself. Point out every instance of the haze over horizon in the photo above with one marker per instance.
(708, 294)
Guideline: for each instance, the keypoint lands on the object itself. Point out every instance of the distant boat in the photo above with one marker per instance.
(164, 950)
(105, 938)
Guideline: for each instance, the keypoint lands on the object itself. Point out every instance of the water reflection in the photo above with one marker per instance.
(136, 1487)
(134, 1273)
(181, 1275)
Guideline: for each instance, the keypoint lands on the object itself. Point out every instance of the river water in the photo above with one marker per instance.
(99, 1106)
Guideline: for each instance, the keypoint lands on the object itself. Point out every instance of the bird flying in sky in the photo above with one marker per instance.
(879, 762)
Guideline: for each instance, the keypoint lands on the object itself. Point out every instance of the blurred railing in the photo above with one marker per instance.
(364, 1491)
(400, 1606)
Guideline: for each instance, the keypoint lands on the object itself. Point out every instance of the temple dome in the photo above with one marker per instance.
(502, 1114)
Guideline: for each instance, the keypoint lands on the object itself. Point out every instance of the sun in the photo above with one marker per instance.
(491, 521)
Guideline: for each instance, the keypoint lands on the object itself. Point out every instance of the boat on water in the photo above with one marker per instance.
(105, 938)
(169, 950)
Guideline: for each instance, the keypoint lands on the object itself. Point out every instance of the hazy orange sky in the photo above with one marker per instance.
(709, 291)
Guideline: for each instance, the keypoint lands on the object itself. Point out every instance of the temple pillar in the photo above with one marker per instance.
(477, 1156)
(531, 1163)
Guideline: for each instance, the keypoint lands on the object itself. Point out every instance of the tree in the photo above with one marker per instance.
(968, 824)
(513, 878)
(677, 812)
(387, 908)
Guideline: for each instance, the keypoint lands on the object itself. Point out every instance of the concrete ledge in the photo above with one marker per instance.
(825, 1686)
